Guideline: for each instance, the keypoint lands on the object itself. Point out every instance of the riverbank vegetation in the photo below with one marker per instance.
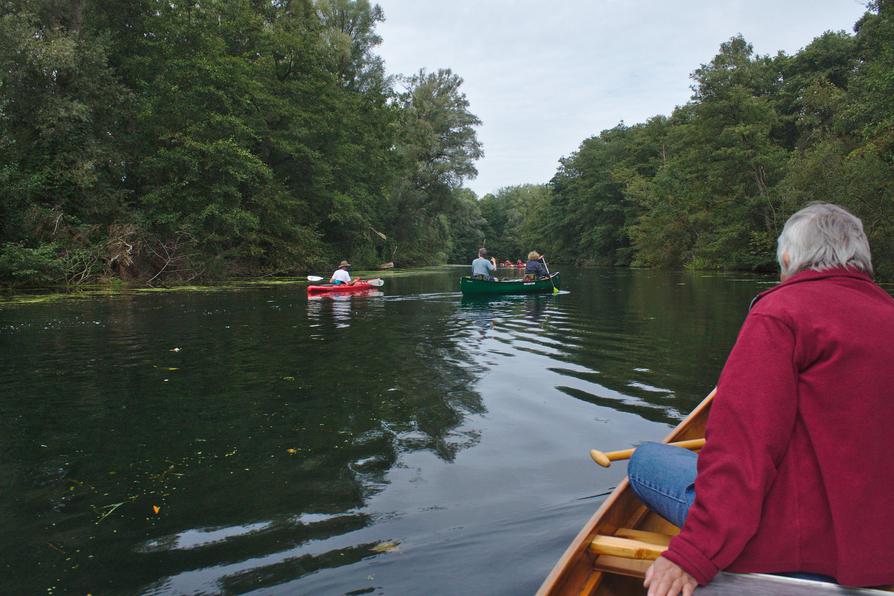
(710, 186)
(174, 141)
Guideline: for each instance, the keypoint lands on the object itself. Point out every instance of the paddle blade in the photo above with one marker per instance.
(376, 282)
(314, 278)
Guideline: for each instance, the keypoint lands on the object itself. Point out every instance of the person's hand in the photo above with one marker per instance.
(665, 578)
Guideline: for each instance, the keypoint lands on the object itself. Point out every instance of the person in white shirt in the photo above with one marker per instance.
(341, 275)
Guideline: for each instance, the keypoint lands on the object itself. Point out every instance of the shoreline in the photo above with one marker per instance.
(113, 288)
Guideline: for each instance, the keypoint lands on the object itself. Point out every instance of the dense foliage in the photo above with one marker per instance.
(180, 139)
(710, 186)
(167, 141)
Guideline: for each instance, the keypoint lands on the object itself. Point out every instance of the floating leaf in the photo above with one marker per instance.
(156, 509)
(173, 368)
(385, 547)
(288, 378)
(291, 450)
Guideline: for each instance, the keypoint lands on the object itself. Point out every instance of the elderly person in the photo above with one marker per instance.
(796, 474)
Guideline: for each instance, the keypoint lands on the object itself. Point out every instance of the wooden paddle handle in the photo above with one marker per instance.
(606, 459)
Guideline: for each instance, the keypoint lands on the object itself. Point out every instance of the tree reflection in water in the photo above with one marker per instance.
(291, 443)
(259, 436)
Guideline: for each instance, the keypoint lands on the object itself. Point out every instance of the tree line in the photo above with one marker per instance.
(165, 141)
(169, 140)
(710, 186)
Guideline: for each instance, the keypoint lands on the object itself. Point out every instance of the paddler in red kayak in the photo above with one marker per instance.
(341, 275)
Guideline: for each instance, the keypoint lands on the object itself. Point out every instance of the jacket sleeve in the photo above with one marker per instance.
(751, 421)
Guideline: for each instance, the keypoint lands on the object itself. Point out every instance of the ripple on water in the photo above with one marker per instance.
(297, 446)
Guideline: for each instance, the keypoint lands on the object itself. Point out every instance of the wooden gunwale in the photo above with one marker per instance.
(575, 570)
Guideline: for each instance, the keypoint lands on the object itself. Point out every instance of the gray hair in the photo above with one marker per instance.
(823, 236)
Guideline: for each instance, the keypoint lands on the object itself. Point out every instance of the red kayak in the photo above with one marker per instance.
(340, 288)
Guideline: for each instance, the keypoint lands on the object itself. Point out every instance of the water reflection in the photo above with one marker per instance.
(482, 310)
(615, 342)
(338, 308)
(213, 442)
(478, 313)
(535, 307)
(260, 440)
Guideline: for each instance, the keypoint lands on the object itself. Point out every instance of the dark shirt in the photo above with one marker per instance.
(535, 268)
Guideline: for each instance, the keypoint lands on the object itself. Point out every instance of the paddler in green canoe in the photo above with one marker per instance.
(482, 268)
(341, 275)
(534, 268)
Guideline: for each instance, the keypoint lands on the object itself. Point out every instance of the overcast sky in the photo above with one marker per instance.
(543, 75)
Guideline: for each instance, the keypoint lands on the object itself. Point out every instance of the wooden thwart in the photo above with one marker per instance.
(650, 537)
(621, 566)
(628, 548)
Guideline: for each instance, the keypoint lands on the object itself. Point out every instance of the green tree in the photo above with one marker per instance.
(722, 164)
(61, 109)
(516, 220)
(466, 225)
(846, 154)
(438, 147)
(349, 27)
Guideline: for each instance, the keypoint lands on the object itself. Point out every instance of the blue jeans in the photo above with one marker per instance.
(663, 477)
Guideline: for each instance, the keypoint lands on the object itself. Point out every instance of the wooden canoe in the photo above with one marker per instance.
(610, 555)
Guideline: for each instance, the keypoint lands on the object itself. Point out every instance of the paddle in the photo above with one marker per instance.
(545, 266)
(377, 282)
(606, 459)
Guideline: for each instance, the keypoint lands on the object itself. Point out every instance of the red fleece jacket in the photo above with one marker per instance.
(797, 472)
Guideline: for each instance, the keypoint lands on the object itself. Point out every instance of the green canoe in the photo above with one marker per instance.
(479, 287)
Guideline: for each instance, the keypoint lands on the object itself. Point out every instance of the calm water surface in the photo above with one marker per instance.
(408, 441)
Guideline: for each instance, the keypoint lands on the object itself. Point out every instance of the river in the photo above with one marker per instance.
(408, 441)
